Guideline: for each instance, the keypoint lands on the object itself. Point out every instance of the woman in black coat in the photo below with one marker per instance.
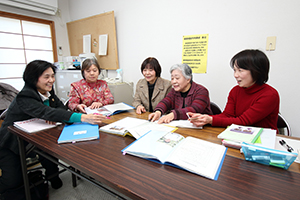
(36, 100)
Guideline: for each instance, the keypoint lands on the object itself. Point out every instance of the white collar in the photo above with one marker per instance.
(44, 98)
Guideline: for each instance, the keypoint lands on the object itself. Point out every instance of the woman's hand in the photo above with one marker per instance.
(199, 119)
(96, 105)
(50, 122)
(140, 109)
(166, 119)
(154, 116)
(93, 118)
(80, 108)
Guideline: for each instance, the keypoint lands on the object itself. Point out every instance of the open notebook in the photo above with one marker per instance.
(110, 109)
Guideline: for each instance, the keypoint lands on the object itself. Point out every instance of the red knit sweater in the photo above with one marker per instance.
(257, 106)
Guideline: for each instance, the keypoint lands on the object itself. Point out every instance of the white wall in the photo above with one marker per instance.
(155, 28)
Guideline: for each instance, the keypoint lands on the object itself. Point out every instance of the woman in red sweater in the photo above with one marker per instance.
(252, 102)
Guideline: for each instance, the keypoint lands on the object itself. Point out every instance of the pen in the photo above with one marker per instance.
(190, 117)
(187, 115)
(284, 144)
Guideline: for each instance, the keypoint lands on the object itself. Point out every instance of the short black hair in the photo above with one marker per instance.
(87, 63)
(254, 60)
(153, 63)
(34, 70)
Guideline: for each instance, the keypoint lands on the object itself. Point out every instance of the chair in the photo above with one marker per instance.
(283, 126)
(215, 108)
(7, 95)
(66, 103)
(2, 116)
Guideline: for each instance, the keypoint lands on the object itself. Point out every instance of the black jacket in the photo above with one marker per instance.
(26, 105)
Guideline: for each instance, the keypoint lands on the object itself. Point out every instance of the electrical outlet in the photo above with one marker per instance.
(271, 43)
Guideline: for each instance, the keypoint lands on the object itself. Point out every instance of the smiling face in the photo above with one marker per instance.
(179, 82)
(46, 81)
(243, 77)
(91, 74)
(149, 74)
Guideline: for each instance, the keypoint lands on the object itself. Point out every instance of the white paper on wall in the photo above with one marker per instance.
(87, 40)
(103, 44)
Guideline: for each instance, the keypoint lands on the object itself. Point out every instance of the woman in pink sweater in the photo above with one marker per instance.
(252, 102)
(89, 91)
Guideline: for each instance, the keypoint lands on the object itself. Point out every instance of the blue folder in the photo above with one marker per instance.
(78, 132)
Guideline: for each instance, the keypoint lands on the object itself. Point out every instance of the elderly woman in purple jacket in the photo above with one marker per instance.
(185, 96)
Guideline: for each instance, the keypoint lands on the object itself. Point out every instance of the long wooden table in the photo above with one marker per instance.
(131, 177)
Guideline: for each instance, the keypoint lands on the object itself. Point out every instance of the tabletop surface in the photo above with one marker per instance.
(139, 178)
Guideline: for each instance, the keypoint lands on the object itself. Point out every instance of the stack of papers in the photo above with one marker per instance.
(267, 139)
(238, 133)
(34, 125)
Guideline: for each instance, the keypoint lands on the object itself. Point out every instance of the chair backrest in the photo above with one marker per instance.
(215, 108)
(66, 103)
(7, 95)
(283, 126)
(2, 116)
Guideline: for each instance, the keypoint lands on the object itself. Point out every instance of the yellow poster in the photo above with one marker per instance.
(194, 52)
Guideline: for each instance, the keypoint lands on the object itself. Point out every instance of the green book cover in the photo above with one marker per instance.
(240, 133)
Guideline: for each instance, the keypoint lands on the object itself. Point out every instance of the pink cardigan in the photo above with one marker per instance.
(86, 93)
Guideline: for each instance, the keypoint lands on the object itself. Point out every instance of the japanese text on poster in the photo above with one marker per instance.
(194, 52)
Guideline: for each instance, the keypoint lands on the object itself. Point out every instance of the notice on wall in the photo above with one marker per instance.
(194, 52)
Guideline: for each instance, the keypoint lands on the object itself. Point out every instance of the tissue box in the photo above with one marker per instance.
(267, 156)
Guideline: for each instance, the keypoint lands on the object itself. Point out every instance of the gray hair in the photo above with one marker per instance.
(185, 70)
